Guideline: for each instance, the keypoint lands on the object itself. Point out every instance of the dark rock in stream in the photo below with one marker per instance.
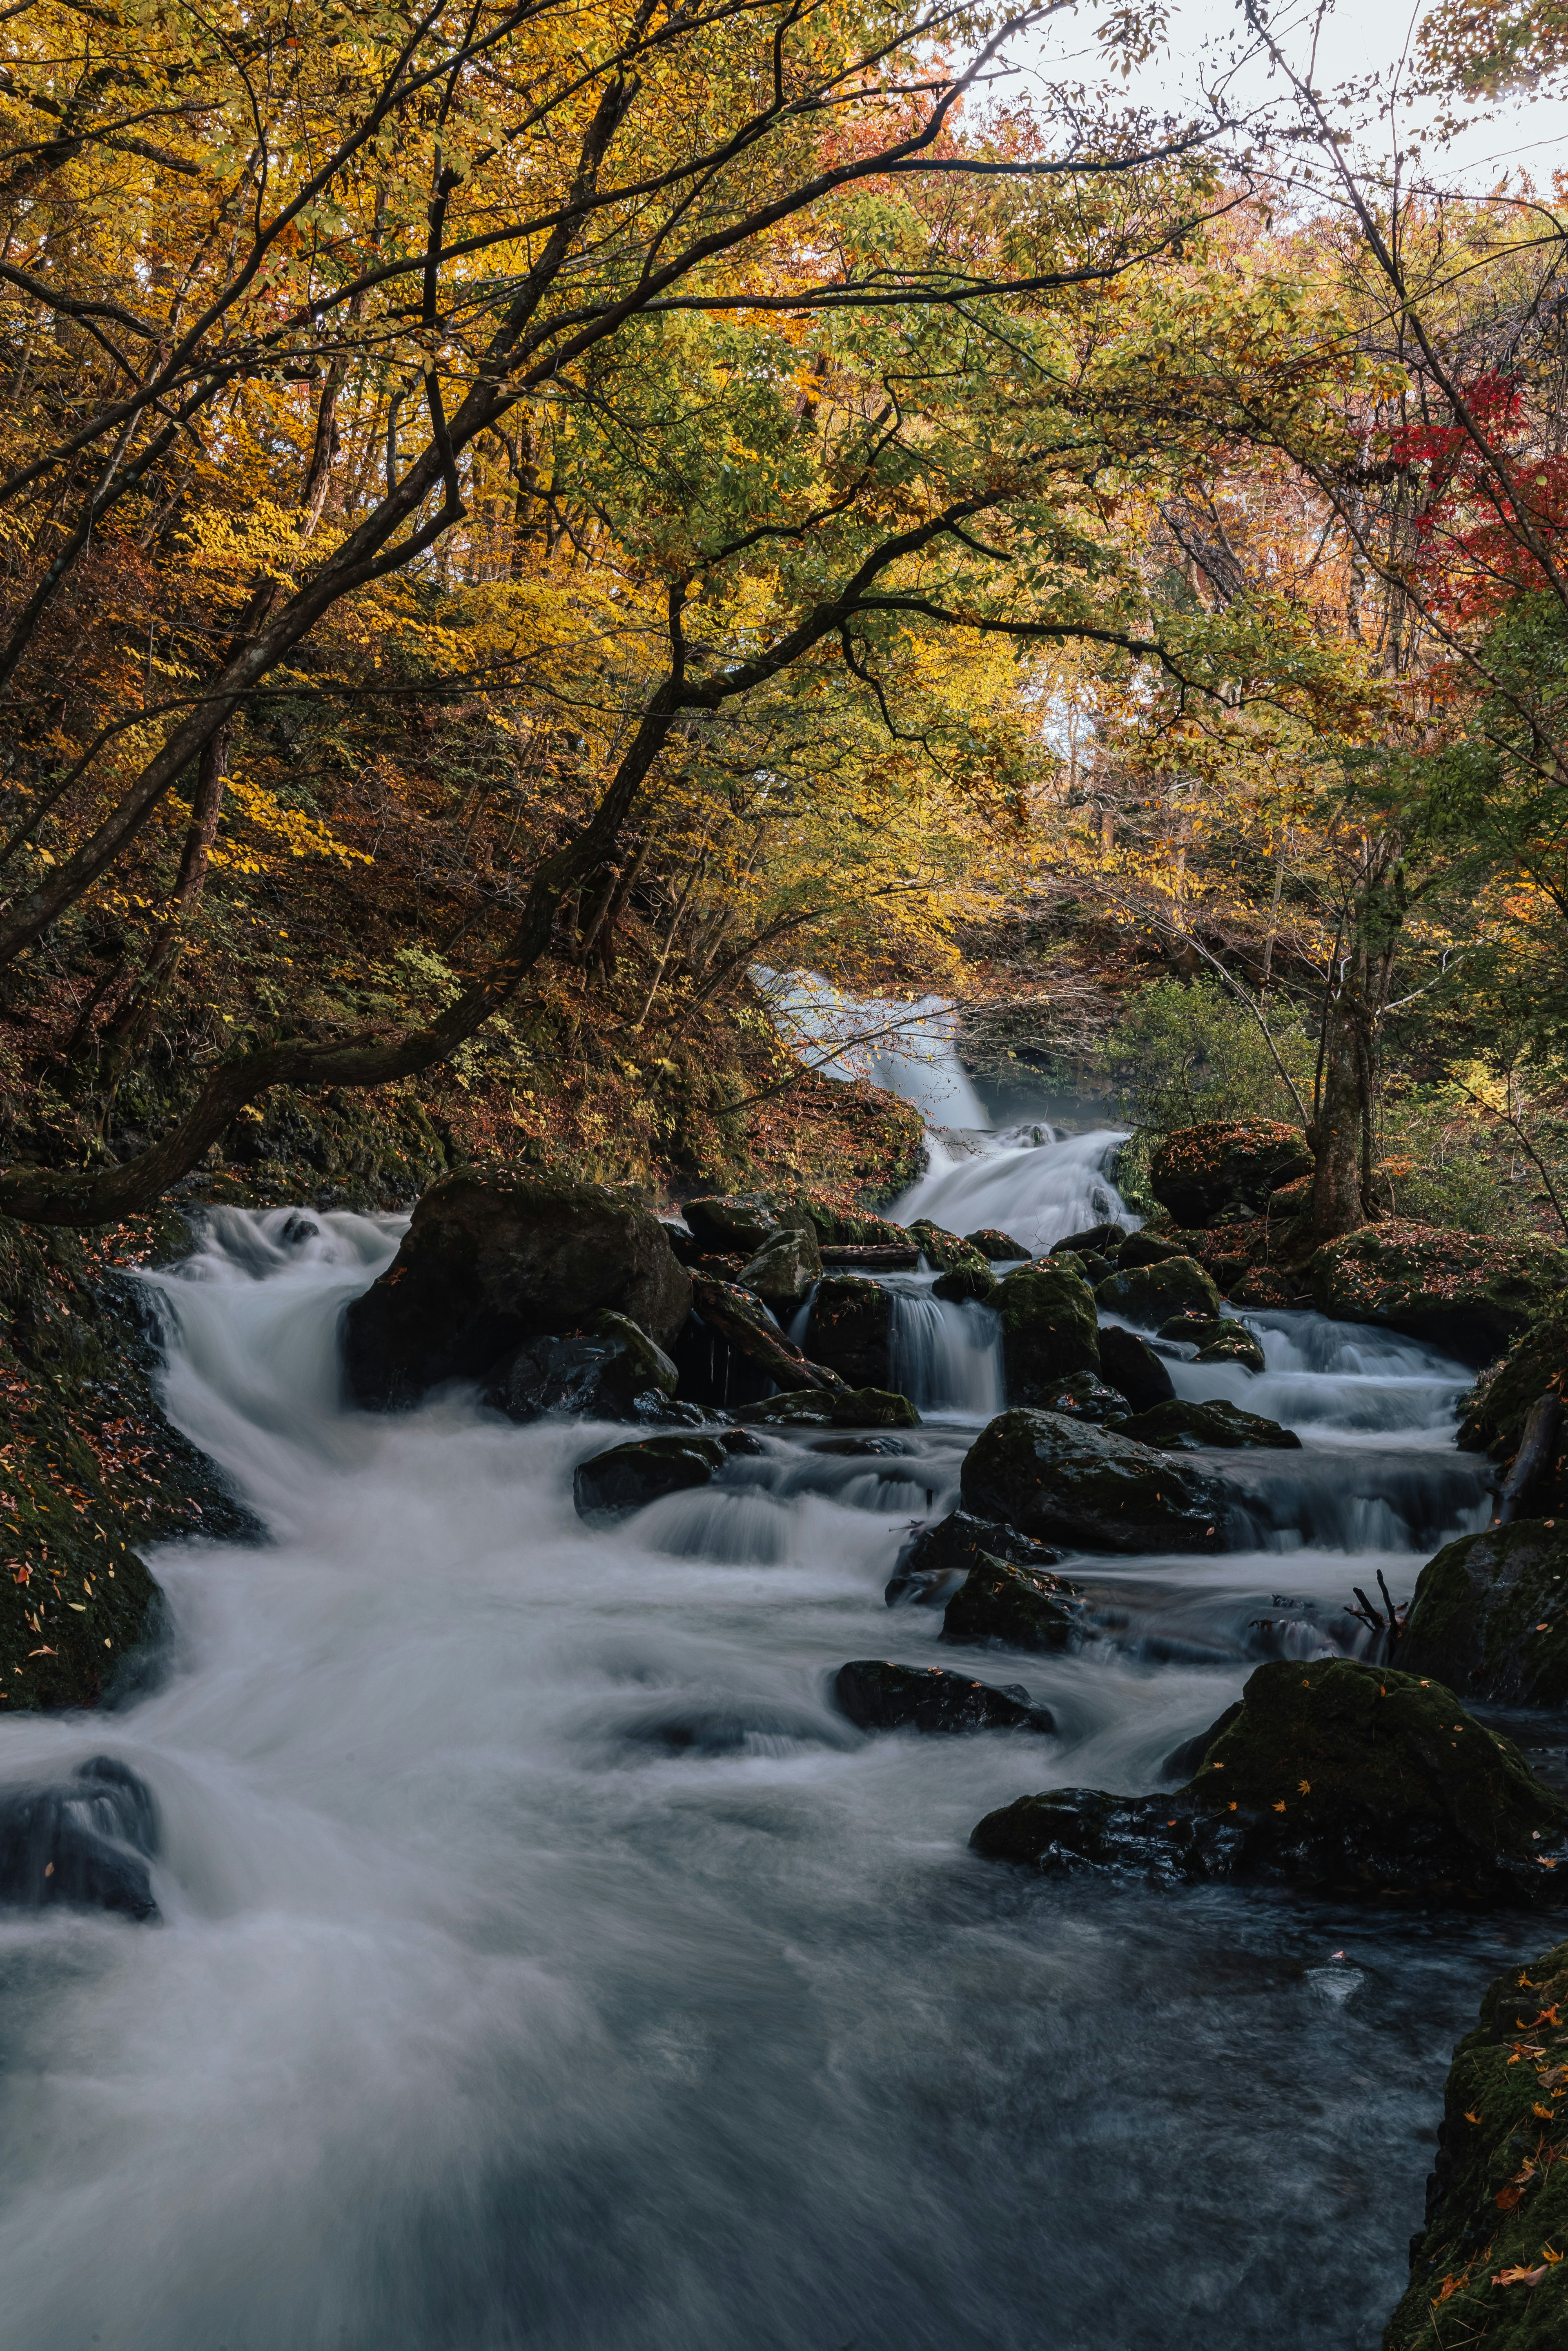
(1049, 1328)
(785, 1268)
(855, 1446)
(1336, 1776)
(998, 1248)
(84, 1841)
(1100, 1241)
(611, 1485)
(1022, 1607)
(1490, 1616)
(1082, 1395)
(850, 1328)
(1131, 1365)
(1067, 1481)
(1182, 1427)
(1496, 2200)
(936, 1559)
(494, 1258)
(1224, 1341)
(1456, 1291)
(609, 1370)
(1147, 1249)
(1149, 1295)
(833, 1408)
(1183, 1762)
(879, 1695)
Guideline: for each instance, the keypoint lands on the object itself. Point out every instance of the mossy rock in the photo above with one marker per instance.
(730, 1223)
(947, 1252)
(838, 1227)
(1225, 1167)
(785, 1268)
(1049, 1328)
(1149, 1295)
(611, 1486)
(1490, 1616)
(1082, 1395)
(850, 1328)
(1066, 1481)
(966, 1283)
(1469, 1296)
(994, 1247)
(1337, 1776)
(1537, 1362)
(1224, 1342)
(1496, 2201)
(1149, 1249)
(1132, 1366)
(1178, 1426)
(1021, 1607)
(838, 1408)
(495, 1257)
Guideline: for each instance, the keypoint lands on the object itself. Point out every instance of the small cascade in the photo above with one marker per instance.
(1037, 1192)
(946, 1355)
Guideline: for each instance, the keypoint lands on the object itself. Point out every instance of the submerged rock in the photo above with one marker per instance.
(1490, 1616)
(883, 1697)
(833, 1408)
(84, 1841)
(1049, 1328)
(850, 1328)
(1022, 1607)
(995, 1245)
(1334, 1775)
(1178, 1426)
(492, 1259)
(1150, 1294)
(785, 1267)
(611, 1485)
(608, 1371)
(1132, 1366)
(1225, 1167)
(1067, 1481)
(1496, 2200)
(1469, 1296)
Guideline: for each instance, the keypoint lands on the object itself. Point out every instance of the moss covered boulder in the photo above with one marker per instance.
(1469, 1296)
(1049, 1328)
(1535, 1364)
(1225, 1168)
(1488, 2262)
(1178, 1426)
(850, 1328)
(1066, 1481)
(1149, 1295)
(1490, 1616)
(613, 1485)
(1335, 1775)
(729, 1223)
(492, 1259)
(1132, 1366)
(1019, 1608)
(785, 1268)
(1224, 1341)
(996, 1248)
(933, 1561)
(947, 1252)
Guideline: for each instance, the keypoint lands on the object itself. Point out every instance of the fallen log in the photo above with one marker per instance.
(745, 1323)
(1541, 1423)
(874, 1257)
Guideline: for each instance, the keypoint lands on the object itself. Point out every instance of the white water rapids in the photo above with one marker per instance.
(544, 1964)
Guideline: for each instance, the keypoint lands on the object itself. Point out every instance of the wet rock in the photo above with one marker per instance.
(1067, 1481)
(1490, 1616)
(882, 1696)
(844, 1228)
(628, 1476)
(1149, 1295)
(736, 1729)
(1221, 1341)
(1496, 1411)
(1147, 1249)
(729, 1223)
(945, 1252)
(1082, 1396)
(1456, 1291)
(833, 1408)
(1178, 1426)
(1335, 1775)
(850, 1328)
(995, 1245)
(1022, 1607)
(1261, 1285)
(1132, 1366)
(85, 1841)
(935, 1559)
(1100, 1241)
(609, 1370)
(1496, 2201)
(966, 1281)
(1183, 1762)
(492, 1259)
(1225, 1167)
(1049, 1328)
(871, 1448)
(785, 1267)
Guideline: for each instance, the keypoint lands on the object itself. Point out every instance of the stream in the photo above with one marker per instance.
(545, 1963)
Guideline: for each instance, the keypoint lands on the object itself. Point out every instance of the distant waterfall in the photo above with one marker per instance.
(908, 1050)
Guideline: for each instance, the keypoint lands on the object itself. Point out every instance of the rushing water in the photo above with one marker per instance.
(544, 1964)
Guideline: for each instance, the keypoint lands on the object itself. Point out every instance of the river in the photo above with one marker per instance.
(544, 1963)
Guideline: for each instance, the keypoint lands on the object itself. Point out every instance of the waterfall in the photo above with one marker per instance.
(946, 1355)
(909, 1050)
(1035, 1192)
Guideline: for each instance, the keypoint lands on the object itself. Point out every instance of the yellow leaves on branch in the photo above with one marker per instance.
(299, 835)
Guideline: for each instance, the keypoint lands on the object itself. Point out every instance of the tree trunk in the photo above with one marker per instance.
(1336, 1133)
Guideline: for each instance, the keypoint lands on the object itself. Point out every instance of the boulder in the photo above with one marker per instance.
(833, 1408)
(846, 1228)
(1263, 1285)
(85, 1841)
(1149, 1249)
(608, 1370)
(945, 1252)
(1183, 1762)
(1049, 1330)
(1082, 1396)
(936, 1559)
(1022, 1607)
(1066, 1481)
(1536, 1364)
(1149, 1295)
(611, 1485)
(785, 1268)
(729, 1223)
(1490, 1616)
(850, 1328)
(1221, 1341)
(1485, 2260)
(994, 1245)
(1334, 1775)
(883, 1697)
(965, 1282)
(1100, 1241)
(1225, 1167)
(491, 1259)
(873, 1448)
(1178, 1426)
(1131, 1365)
(1469, 1296)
